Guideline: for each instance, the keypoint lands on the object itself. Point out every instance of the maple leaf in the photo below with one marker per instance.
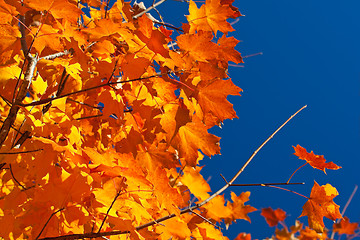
(345, 227)
(7, 11)
(195, 182)
(316, 161)
(169, 197)
(153, 38)
(194, 136)
(205, 230)
(199, 46)
(211, 16)
(310, 234)
(273, 217)
(213, 100)
(238, 208)
(58, 8)
(319, 205)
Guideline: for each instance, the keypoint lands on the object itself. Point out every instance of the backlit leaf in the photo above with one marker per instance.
(316, 161)
(319, 205)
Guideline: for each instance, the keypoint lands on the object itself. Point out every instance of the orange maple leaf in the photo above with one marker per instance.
(58, 8)
(194, 136)
(273, 217)
(310, 234)
(212, 98)
(238, 208)
(321, 204)
(195, 182)
(316, 161)
(211, 16)
(345, 227)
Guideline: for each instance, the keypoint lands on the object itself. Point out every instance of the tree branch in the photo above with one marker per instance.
(25, 84)
(43, 101)
(148, 9)
(186, 210)
(56, 55)
(249, 160)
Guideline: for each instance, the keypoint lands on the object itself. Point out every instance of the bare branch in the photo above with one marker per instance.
(56, 55)
(148, 9)
(249, 160)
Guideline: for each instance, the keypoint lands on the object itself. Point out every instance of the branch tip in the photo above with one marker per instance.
(223, 178)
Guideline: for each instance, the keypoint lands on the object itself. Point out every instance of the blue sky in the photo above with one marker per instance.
(311, 56)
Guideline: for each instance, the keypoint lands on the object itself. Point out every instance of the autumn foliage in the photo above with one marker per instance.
(105, 112)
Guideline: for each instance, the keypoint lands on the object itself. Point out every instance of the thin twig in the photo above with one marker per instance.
(43, 101)
(296, 171)
(345, 207)
(223, 178)
(87, 117)
(107, 212)
(107, 7)
(113, 71)
(48, 222)
(265, 184)
(250, 159)
(61, 86)
(85, 104)
(348, 201)
(253, 55)
(186, 210)
(20, 152)
(288, 191)
(17, 130)
(24, 49)
(169, 26)
(205, 219)
(12, 174)
(5, 100)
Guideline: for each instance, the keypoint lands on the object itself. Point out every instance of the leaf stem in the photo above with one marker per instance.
(288, 191)
(296, 171)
